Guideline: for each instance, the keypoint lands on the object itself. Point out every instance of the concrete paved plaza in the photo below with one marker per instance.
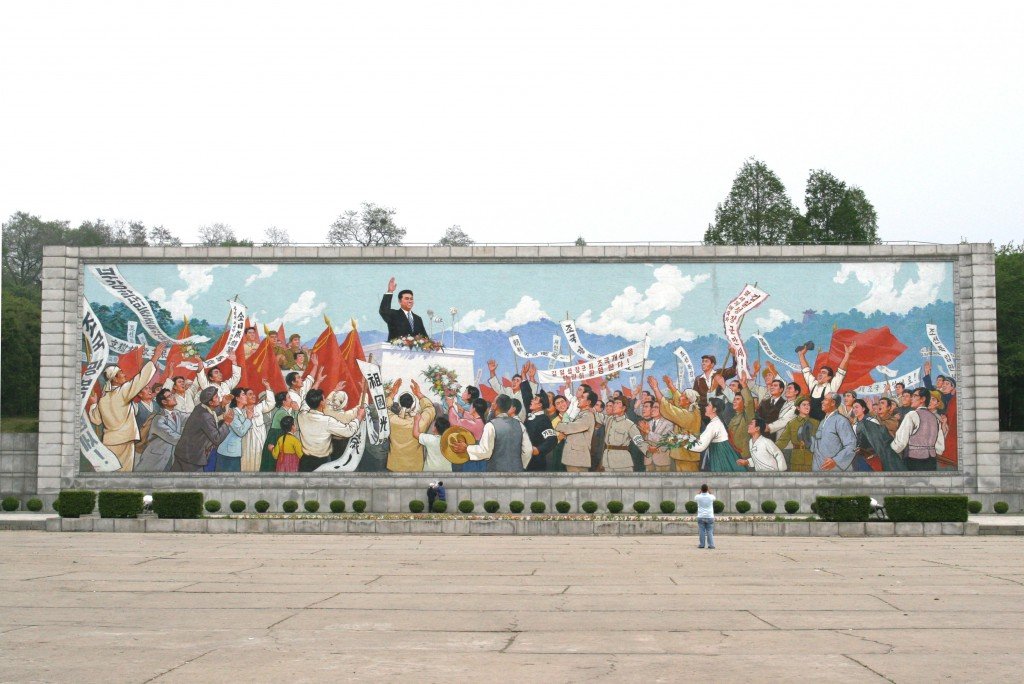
(188, 608)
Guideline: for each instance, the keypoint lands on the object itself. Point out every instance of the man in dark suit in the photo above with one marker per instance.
(771, 406)
(403, 321)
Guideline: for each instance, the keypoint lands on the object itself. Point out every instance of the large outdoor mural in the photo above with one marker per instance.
(570, 367)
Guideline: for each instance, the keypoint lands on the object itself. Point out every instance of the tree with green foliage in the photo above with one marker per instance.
(837, 214)
(455, 237)
(372, 226)
(1010, 334)
(757, 210)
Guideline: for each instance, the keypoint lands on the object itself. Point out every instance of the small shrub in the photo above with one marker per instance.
(769, 506)
(56, 504)
(120, 503)
(440, 506)
(34, 505)
(311, 506)
(538, 507)
(691, 507)
(563, 506)
(76, 502)
(337, 506)
(178, 504)
(718, 506)
(516, 506)
(641, 507)
(466, 506)
(615, 506)
(10, 503)
(491, 506)
(930, 508)
(843, 508)
(742, 506)
(589, 507)
(358, 505)
(667, 507)
(974, 507)
(290, 506)
(1001, 507)
(814, 507)
(261, 506)
(237, 506)
(212, 506)
(416, 506)
(792, 506)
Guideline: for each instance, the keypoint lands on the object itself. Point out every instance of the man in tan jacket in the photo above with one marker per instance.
(115, 410)
(579, 433)
(684, 413)
(406, 454)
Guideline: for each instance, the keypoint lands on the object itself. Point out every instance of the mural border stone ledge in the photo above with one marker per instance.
(975, 328)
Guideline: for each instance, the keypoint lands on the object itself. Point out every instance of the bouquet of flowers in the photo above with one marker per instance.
(188, 350)
(417, 342)
(442, 380)
(678, 440)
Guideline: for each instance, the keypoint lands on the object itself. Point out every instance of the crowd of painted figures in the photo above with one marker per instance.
(723, 423)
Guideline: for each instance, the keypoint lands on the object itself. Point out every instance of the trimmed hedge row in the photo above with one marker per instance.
(175, 504)
(843, 508)
(927, 508)
(120, 503)
(76, 502)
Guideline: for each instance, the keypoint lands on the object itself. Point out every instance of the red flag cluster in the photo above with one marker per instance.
(875, 347)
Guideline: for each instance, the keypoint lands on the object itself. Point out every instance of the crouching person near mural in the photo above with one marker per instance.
(316, 430)
(163, 435)
(684, 413)
(115, 410)
(205, 428)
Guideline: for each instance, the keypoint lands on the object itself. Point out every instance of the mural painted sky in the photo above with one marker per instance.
(613, 306)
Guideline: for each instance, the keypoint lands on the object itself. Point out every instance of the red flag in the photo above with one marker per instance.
(875, 347)
(350, 350)
(171, 368)
(130, 363)
(225, 365)
(262, 365)
(487, 394)
(328, 355)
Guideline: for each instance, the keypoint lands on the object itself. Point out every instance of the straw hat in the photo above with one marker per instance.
(456, 434)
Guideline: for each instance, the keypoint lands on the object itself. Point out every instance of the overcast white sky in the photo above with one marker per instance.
(525, 121)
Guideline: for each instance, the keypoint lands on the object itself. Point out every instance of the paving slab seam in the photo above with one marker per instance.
(187, 662)
(872, 671)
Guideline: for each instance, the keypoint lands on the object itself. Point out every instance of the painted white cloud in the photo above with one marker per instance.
(882, 293)
(262, 272)
(198, 280)
(301, 311)
(774, 319)
(526, 311)
(628, 313)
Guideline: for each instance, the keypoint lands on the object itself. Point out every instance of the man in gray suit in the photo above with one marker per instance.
(835, 442)
(204, 429)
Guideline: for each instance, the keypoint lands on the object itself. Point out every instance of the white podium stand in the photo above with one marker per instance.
(400, 362)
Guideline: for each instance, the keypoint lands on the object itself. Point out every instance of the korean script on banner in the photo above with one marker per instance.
(909, 380)
(98, 455)
(520, 351)
(556, 352)
(687, 363)
(368, 431)
(947, 356)
(770, 353)
(750, 298)
(626, 359)
(572, 336)
(236, 321)
(116, 285)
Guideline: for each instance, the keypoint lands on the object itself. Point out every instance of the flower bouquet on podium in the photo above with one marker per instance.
(417, 343)
(443, 381)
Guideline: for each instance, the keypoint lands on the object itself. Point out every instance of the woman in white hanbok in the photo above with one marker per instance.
(252, 443)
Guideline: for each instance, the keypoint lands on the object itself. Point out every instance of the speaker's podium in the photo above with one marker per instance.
(397, 362)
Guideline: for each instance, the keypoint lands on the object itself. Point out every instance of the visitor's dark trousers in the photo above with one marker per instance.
(308, 464)
(922, 463)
